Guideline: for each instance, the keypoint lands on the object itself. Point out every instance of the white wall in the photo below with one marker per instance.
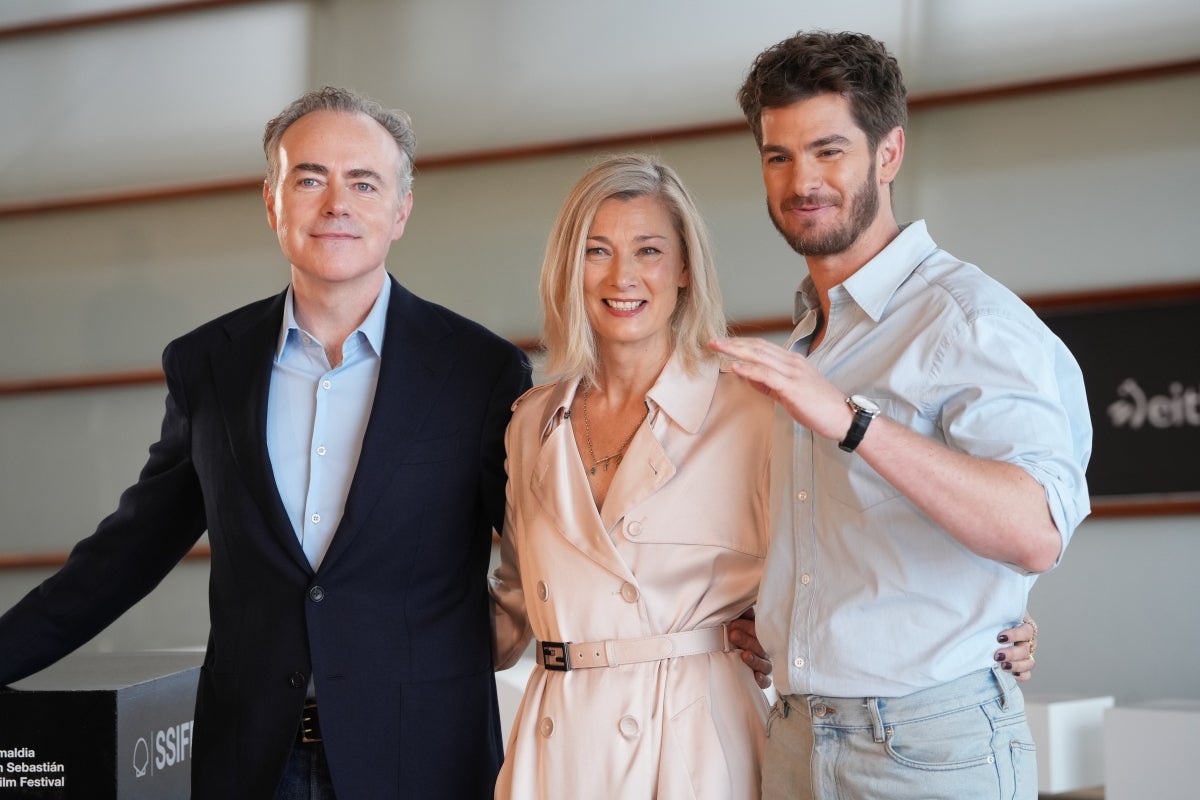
(1066, 191)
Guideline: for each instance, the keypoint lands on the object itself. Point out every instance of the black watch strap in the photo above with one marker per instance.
(858, 428)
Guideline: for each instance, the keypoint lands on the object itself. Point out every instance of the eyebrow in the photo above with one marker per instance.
(816, 144)
(642, 237)
(321, 169)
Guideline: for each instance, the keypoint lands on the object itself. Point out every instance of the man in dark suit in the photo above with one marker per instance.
(342, 444)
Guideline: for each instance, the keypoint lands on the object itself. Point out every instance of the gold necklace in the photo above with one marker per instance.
(616, 457)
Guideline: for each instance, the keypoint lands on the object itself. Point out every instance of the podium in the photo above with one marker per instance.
(97, 726)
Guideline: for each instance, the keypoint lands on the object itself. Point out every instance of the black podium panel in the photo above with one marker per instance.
(98, 726)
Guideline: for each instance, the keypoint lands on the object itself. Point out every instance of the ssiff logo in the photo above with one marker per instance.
(172, 746)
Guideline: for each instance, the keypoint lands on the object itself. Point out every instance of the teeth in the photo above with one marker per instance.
(624, 305)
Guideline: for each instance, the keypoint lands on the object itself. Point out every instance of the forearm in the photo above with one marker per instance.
(996, 509)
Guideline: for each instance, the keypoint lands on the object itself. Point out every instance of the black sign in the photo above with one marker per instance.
(1140, 355)
(100, 726)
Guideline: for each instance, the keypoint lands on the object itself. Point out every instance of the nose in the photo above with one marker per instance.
(624, 271)
(335, 204)
(805, 177)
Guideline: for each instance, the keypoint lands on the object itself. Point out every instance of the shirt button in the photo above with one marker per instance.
(630, 593)
(805, 579)
(316, 594)
(802, 496)
(629, 727)
(799, 663)
(546, 727)
(543, 591)
(321, 450)
(315, 518)
(326, 384)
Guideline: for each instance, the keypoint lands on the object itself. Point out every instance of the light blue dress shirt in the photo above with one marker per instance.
(862, 594)
(316, 419)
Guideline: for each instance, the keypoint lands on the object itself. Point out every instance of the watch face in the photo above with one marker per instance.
(866, 404)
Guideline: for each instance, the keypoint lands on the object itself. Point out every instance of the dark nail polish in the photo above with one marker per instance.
(1002, 638)
(1000, 656)
(1017, 674)
(1008, 666)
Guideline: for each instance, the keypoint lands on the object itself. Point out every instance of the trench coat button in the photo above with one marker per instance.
(316, 594)
(633, 529)
(296, 679)
(543, 591)
(630, 593)
(629, 727)
(546, 727)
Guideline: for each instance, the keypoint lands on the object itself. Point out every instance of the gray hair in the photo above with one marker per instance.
(331, 98)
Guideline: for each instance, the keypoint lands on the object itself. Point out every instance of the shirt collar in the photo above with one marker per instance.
(874, 284)
(372, 327)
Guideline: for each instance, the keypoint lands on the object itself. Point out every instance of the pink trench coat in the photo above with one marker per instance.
(679, 545)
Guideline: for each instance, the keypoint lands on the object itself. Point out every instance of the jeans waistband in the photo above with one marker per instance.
(973, 689)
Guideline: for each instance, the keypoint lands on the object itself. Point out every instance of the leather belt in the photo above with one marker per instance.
(566, 656)
(310, 725)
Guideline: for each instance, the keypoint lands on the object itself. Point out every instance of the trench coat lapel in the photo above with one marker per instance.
(241, 372)
(559, 484)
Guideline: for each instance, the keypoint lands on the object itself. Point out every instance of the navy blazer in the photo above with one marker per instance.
(394, 626)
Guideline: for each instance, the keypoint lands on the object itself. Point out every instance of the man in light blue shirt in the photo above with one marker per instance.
(309, 394)
(934, 435)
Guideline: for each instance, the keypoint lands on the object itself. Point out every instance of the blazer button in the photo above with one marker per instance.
(316, 594)
(296, 679)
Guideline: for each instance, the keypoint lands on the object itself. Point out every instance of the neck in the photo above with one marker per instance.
(835, 269)
(332, 311)
(625, 376)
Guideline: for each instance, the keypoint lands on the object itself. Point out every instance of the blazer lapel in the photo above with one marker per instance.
(411, 375)
(241, 372)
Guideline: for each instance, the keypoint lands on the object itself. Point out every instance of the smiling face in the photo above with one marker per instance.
(827, 188)
(335, 206)
(634, 267)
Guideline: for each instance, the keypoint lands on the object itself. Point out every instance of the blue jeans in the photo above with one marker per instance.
(306, 776)
(964, 739)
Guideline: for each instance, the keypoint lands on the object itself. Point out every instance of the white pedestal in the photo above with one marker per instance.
(1150, 751)
(1069, 732)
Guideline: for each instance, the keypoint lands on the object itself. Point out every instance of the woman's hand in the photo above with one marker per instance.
(1016, 656)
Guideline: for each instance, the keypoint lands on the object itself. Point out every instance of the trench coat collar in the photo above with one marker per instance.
(559, 481)
(683, 396)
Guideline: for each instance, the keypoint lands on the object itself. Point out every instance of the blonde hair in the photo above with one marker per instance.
(568, 339)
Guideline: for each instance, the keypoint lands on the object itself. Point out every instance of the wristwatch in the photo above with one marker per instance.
(864, 411)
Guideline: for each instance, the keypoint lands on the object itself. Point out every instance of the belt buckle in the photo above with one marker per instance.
(555, 657)
(310, 725)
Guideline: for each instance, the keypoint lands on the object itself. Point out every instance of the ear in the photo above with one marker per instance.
(685, 276)
(889, 154)
(406, 204)
(269, 200)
